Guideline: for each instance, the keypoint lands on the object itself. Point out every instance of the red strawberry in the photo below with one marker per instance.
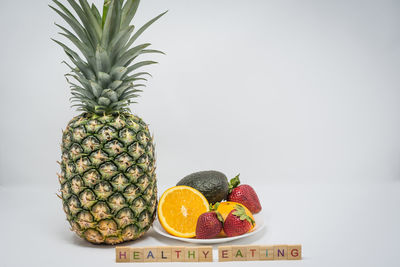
(209, 224)
(244, 194)
(237, 222)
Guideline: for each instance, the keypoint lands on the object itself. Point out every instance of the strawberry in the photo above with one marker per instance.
(237, 222)
(209, 224)
(244, 194)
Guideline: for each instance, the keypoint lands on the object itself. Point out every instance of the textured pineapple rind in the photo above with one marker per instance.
(108, 180)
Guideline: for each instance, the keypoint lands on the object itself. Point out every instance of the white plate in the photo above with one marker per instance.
(259, 225)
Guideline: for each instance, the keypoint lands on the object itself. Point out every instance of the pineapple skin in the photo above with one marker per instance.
(108, 180)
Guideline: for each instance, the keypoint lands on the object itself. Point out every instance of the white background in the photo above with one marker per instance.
(300, 97)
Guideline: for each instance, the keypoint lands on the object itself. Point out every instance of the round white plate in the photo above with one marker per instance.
(259, 225)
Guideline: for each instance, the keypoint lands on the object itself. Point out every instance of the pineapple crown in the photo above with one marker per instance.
(106, 80)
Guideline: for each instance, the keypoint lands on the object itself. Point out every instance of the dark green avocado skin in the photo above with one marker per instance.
(212, 184)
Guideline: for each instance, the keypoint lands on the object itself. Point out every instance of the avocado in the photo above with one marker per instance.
(212, 184)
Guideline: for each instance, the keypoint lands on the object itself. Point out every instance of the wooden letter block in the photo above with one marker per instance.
(253, 253)
(280, 252)
(149, 254)
(137, 254)
(177, 254)
(191, 254)
(225, 253)
(122, 254)
(266, 253)
(164, 254)
(239, 253)
(205, 253)
(294, 252)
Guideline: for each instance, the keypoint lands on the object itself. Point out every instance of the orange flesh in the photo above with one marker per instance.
(179, 209)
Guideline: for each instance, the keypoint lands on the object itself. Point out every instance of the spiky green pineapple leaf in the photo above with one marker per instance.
(104, 78)
(139, 65)
(103, 62)
(90, 27)
(86, 51)
(79, 78)
(84, 92)
(110, 94)
(152, 51)
(115, 84)
(96, 88)
(112, 23)
(81, 46)
(105, 11)
(129, 91)
(125, 58)
(118, 72)
(93, 25)
(96, 14)
(136, 79)
(120, 40)
(105, 75)
(122, 89)
(76, 59)
(73, 22)
(140, 74)
(128, 12)
(143, 28)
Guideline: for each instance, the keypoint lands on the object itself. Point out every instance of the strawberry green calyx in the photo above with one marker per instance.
(234, 182)
(219, 216)
(215, 206)
(241, 213)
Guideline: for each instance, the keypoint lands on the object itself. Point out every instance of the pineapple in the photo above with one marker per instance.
(108, 179)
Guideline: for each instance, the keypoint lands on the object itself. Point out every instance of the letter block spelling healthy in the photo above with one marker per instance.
(205, 253)
(178, 254)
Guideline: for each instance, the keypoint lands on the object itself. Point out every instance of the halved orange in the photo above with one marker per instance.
(179, 208)
(226, 207)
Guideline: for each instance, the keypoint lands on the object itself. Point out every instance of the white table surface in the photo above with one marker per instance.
(338, 225)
